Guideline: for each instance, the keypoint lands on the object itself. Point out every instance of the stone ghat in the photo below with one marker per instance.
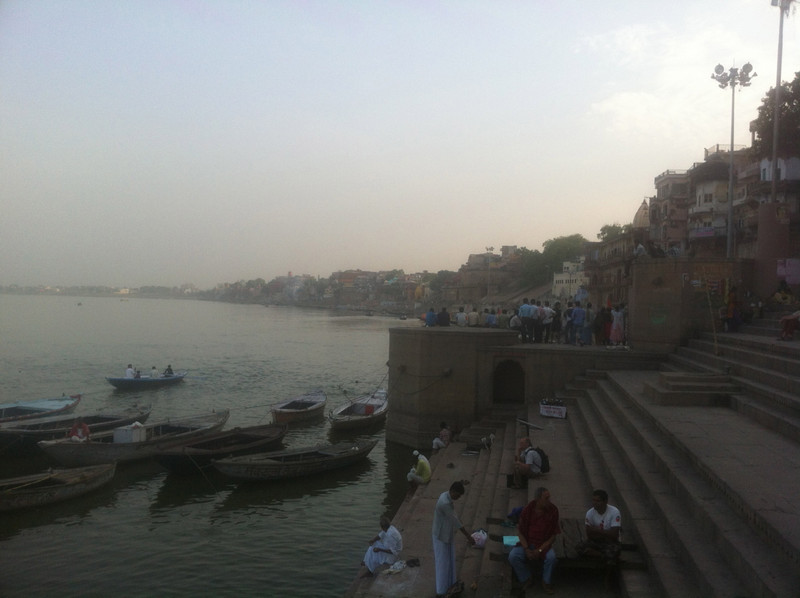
(706, 490)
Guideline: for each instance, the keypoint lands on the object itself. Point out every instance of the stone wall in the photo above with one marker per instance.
(433, 374)
(669, 302)
(458, 375)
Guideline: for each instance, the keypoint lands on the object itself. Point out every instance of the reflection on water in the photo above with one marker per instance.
(150, 533)
(278, 494)
(178, 490)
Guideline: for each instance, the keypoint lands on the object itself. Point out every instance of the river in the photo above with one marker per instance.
(149, 533)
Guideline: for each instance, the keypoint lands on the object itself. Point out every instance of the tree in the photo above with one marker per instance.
(562, 249)
(442, 278)
(533, 267)
(538, 267)
(612, 231)
(788, 122)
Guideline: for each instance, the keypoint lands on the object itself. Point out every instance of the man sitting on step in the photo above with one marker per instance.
(527, 463)
(603, 527)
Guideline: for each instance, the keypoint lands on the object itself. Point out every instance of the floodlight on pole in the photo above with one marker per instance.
(732, 78)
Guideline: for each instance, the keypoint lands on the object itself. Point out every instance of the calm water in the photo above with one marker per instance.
(150, 533)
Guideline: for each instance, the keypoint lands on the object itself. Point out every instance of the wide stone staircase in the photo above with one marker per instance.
(703, 460)
(701, 456)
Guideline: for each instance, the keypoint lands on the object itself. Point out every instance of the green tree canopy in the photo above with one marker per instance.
(788, 122)
(441, 278)
(612, 231)
(538, 267)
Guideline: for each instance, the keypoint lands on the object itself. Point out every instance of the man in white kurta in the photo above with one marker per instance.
(383, 548)
(445, 524)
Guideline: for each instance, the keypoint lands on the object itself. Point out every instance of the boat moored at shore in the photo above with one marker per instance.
(21, 410)
(304, 408)
(295, 463)
(134, 442)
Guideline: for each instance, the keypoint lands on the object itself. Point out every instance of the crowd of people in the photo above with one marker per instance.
(538, 322)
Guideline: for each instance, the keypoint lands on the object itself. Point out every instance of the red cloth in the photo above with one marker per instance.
(537, 528)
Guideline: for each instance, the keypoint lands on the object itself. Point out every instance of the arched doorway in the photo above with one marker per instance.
(508, 383)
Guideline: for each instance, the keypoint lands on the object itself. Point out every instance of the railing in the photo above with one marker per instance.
(719, 148)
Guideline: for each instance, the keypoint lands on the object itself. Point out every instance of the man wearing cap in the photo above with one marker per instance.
(421, 474)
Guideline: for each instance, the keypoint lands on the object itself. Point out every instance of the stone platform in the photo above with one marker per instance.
(706, 488)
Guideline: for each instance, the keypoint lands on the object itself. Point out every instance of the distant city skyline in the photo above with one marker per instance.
(155, 144)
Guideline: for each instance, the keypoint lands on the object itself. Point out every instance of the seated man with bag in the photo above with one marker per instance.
(527, 464)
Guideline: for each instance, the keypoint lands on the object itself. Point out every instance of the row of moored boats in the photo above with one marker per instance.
(184, 445)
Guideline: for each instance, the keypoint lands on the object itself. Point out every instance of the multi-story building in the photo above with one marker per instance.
(570, 280)
(484, 275)
(707, 222)
(669, 210)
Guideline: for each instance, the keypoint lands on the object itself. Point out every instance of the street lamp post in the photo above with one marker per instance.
(784, 9)
(489, 251)
(733, 77)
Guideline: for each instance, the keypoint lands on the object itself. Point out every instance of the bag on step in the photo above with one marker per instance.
(545, 460)
(480, 536)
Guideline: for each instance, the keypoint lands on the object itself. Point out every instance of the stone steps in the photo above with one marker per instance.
(492, 576)
(753, 361)
(719, 518)
(592, 445)
(681, 388)
(663, 526)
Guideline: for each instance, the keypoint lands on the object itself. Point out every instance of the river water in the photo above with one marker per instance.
(152, 533)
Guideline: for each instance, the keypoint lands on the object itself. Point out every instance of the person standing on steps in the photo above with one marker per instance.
(445, 525)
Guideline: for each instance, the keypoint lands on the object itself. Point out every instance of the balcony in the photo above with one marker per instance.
(706, 208)
(707, 232)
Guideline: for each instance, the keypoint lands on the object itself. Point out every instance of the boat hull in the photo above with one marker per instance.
(366, 411)
(22, 436)
(53, 486)
(22, 410)
(146, 382)
(196, 456)
(290, 464)
(159, 435)
(305, 408)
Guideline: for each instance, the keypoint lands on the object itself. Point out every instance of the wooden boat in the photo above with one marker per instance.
(25, 434)
(306, 407)
(295, 463)
(52, 486)
(134, 442)
(364, 411)
(20, 410)
(196, 455)
(146, 381)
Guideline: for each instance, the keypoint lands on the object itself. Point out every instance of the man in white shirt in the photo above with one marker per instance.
(130, 372)
(383, 548)
(546, 313)
(603, 528)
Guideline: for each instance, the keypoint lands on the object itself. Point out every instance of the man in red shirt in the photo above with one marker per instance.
(538, 528)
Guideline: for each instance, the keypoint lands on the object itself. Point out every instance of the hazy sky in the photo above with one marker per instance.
(160, 142)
